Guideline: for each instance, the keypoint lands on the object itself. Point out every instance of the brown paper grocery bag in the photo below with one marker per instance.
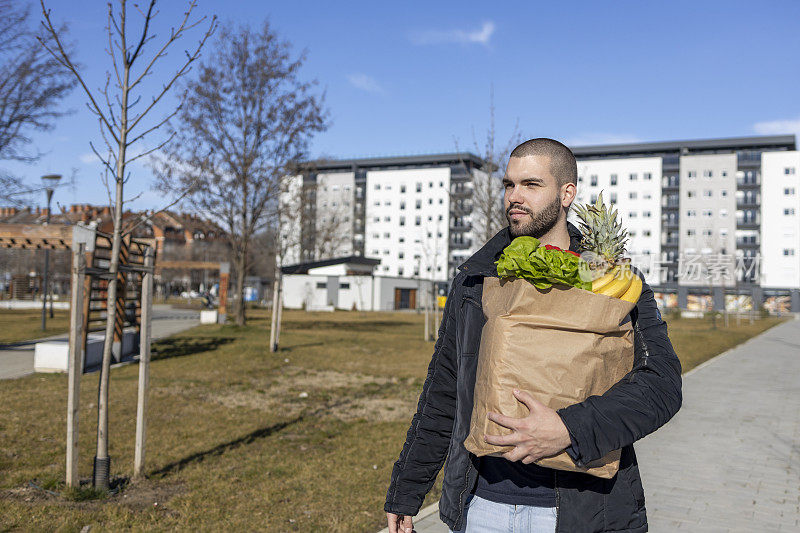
(561, 344)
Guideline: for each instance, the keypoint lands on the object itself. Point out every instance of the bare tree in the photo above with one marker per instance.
(484, 202)
(247, 118)
(32, 85)
(122, 126)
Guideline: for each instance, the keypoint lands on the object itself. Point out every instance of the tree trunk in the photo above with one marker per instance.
(100, 478)
(241, 261)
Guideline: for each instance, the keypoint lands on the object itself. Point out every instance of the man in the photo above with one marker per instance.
(509, 493)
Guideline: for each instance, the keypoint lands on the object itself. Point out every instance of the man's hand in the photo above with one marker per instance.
(399, 523)
(540, 434)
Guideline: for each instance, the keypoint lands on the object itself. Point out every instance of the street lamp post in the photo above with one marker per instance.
(50, 181)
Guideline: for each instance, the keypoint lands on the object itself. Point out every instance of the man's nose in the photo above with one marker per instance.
(514, 197)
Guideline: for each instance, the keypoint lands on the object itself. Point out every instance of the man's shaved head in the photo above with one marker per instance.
(562, 161)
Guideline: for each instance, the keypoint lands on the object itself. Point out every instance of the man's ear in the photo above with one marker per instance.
(568, 192)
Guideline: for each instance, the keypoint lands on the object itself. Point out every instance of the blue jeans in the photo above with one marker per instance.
(484, 516)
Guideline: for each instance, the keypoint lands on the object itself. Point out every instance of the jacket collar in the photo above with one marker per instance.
(481, 263)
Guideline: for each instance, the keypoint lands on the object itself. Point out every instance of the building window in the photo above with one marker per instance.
(723, 232)
(633, 176)
(344, 285)
(723, 213)
(613, 197)
(388, 219)
(723, 193)
(690, 233)
(613, 179)
(707, 232)
(419, 187)
(647, 214)
(724, 173)
(646, 233)
(594, 198)
(402, 239)
(441, 201)
(632, 195)
(788, 191)
(401, 255)
(441, 185)
(632, 214)
(386, 252)
(691, 174)
(402, 221)
(788, 170)
(788, 211)
(708, 174)
(788, 251)
(402, 188)
(402, 205)
(387, 235)
(322, 285)
(430, 201)
(691, 213)
(430, 185)
(707, 193)
(400, 271)
(647, 176)
(691, 194)
(441, 217)
(708, 213)
(376, 219)
(377, 186)
(418, 204)
(418, 221)
(593, 180)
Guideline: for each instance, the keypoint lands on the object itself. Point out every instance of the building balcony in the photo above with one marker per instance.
(669, 184)
(462, 245)
(460, 227)
(670, 223)
(749, 159)
(748, 203)
(748, 183)
(748, 224)
(669, 241)
(747, 243)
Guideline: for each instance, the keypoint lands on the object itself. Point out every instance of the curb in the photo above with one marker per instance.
(424, 513)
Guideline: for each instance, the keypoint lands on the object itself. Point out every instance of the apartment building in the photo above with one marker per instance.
(411, 212)
(710, 215)
(726, 216)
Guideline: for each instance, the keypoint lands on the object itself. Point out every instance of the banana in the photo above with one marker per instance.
(633, 292)
(617, 288)
(604, 280)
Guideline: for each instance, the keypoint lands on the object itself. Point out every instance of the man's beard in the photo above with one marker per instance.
(539, 223)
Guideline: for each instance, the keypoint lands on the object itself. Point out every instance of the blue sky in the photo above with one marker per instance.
(415, 77)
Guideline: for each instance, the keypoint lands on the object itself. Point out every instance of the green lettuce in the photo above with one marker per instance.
(525, 258)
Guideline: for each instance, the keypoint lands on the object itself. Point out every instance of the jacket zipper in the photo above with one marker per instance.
(472, 301)
(558, 496)
(461, 496)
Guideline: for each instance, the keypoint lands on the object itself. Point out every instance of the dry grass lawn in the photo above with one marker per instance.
(26, 324)
(241, 439)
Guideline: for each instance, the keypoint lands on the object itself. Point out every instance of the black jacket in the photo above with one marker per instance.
(644, 400)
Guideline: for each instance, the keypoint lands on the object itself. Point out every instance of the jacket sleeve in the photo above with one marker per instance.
(637, 405)
(428, 437)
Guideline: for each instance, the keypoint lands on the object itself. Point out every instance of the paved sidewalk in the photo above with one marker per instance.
(729, 461)
(16, 359)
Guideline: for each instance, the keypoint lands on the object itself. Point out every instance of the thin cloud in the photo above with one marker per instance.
(594, 138)
(480, 36)
(88, 158)
(365, 83)
(773, 127)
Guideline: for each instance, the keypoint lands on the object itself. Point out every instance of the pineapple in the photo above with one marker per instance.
(603, 241)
